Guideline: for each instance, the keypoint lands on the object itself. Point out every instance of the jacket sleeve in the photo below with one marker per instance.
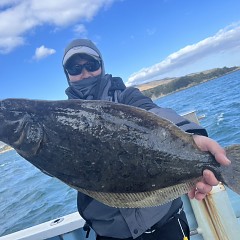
(132, 96)
(180, 121)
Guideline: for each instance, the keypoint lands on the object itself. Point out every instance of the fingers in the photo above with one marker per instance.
(209, 180)
(191, 194)
(204, 187)
(207, 144)
(200, 191)
(221, 158)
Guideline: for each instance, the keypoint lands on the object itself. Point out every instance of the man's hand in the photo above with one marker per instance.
(209, 180)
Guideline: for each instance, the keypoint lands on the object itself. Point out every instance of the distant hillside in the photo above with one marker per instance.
(159, 88)
(152, 84)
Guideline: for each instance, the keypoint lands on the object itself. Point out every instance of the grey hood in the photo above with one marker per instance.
(82, 46)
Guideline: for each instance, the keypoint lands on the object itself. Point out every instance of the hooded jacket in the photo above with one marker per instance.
(115, 222)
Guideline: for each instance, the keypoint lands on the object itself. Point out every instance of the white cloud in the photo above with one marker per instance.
(18, 17)
(8, 43)
(43, 52)
(80, 29)
(224, 40)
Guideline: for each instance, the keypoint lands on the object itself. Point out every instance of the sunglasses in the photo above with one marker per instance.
(77, 69)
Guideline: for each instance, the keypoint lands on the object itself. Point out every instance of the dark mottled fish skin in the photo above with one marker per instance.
(118, 154)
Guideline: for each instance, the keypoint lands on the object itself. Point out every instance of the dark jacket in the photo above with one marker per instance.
(124, 223)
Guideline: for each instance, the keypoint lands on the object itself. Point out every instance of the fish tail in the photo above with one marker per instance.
(231, 174)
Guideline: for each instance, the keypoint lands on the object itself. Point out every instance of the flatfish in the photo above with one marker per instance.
(120, 155)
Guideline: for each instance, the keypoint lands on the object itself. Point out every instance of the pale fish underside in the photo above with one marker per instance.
(142, 199)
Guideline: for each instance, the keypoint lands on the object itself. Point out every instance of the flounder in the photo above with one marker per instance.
(120, 155)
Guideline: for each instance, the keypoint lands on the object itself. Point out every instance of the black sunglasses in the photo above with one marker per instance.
(77, 69)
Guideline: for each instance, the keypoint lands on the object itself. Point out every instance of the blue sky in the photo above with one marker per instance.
(141, 40)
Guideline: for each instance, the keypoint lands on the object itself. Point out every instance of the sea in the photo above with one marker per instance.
(28, 197)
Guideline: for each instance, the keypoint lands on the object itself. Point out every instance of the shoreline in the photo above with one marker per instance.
(181, 89)
(192, 85)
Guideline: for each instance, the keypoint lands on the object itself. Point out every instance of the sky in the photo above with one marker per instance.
(140, 40)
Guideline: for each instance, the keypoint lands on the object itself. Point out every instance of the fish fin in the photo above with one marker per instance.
(141, 199)
(231, 174)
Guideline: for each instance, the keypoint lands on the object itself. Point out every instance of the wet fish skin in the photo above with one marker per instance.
(102, 136)
(109, 151)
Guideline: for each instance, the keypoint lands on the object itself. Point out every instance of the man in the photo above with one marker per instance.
(84, 68)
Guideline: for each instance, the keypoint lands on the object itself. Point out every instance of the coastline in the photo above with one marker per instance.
(183, 88)
(154, 97)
